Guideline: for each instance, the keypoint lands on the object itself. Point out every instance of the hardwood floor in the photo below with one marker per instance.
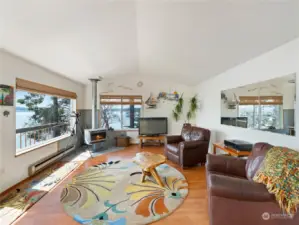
(194, 210)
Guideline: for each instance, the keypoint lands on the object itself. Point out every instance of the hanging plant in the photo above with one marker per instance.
(193, 107)
(178, 109)
(223, 97)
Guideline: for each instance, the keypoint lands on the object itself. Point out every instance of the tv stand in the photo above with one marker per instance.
(159, 138)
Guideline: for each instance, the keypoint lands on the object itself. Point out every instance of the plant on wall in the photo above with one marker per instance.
(178, 109)
(223, 97)
(193, 107)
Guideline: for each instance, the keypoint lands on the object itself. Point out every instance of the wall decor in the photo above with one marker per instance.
(267, 106)
(113, 87)
(125, 87)
(151, 102)
(6, 113)
(6, 95)
(169, 96)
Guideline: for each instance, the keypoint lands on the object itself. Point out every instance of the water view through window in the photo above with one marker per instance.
(40, 117)
(120, 117)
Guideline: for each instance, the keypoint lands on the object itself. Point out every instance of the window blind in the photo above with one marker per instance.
(30, 86)
(261, 100)
(121, 99)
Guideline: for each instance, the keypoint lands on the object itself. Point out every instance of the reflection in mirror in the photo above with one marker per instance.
(267, 105)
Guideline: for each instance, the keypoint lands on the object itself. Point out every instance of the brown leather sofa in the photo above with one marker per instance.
(234, 199)
(189, 148)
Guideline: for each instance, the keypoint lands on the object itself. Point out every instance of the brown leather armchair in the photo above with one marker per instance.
(189, 148)
(234, 199)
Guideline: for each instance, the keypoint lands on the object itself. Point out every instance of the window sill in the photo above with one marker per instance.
(36, 147)
(128, 130)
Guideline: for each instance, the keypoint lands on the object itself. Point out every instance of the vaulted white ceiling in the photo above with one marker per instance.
(185, 41)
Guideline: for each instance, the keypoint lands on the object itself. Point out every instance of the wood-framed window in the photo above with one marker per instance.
(262, 112)
(261, 100)
(120, 112)
(43, 114)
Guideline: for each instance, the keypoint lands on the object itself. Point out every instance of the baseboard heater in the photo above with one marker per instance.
(47, 161)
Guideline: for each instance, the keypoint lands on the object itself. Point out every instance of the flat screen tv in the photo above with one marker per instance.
(152, 126)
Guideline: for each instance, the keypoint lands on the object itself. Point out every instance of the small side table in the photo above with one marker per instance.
(230, 151)
(159, 138)
(148, 163)
(122, 141)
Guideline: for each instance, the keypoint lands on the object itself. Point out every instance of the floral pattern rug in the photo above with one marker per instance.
(111, 193)
(18, 201)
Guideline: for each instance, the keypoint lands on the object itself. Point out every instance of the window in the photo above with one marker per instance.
(40, 116)
(263, 112)
(120, 111)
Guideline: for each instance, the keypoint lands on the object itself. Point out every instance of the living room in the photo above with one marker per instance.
(183, 63)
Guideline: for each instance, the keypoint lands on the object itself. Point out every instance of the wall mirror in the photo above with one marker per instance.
(267, 106)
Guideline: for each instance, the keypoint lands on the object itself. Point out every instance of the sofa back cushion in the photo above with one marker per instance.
(186, 132)
(197, 134)
(256, 158)
(200, 134)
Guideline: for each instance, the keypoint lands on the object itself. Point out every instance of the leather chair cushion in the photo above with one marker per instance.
(186, 136)
(200, 134)
(197, 135)
(256, 158)
(173, 148)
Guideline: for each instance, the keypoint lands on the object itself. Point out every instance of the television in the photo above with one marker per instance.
(152, 126)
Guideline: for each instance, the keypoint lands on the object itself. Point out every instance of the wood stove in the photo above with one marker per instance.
(94, 136)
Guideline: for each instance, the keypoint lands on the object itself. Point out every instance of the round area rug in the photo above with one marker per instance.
(112, 194)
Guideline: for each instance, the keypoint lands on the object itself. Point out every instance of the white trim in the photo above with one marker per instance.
(128, 130)
(38, 146)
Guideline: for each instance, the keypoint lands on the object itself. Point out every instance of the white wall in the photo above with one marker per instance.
(14, 169)
(150, 85)
(278, 62)
(1, 127)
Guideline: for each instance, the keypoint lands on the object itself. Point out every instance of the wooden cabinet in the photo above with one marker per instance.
(122, 141)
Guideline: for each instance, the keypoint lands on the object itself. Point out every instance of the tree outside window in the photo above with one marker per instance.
(40, 117)
(119, 117)
(270, 117)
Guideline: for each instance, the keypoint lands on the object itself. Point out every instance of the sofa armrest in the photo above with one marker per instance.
(237, 188)
(173, 139)
(226, 164)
